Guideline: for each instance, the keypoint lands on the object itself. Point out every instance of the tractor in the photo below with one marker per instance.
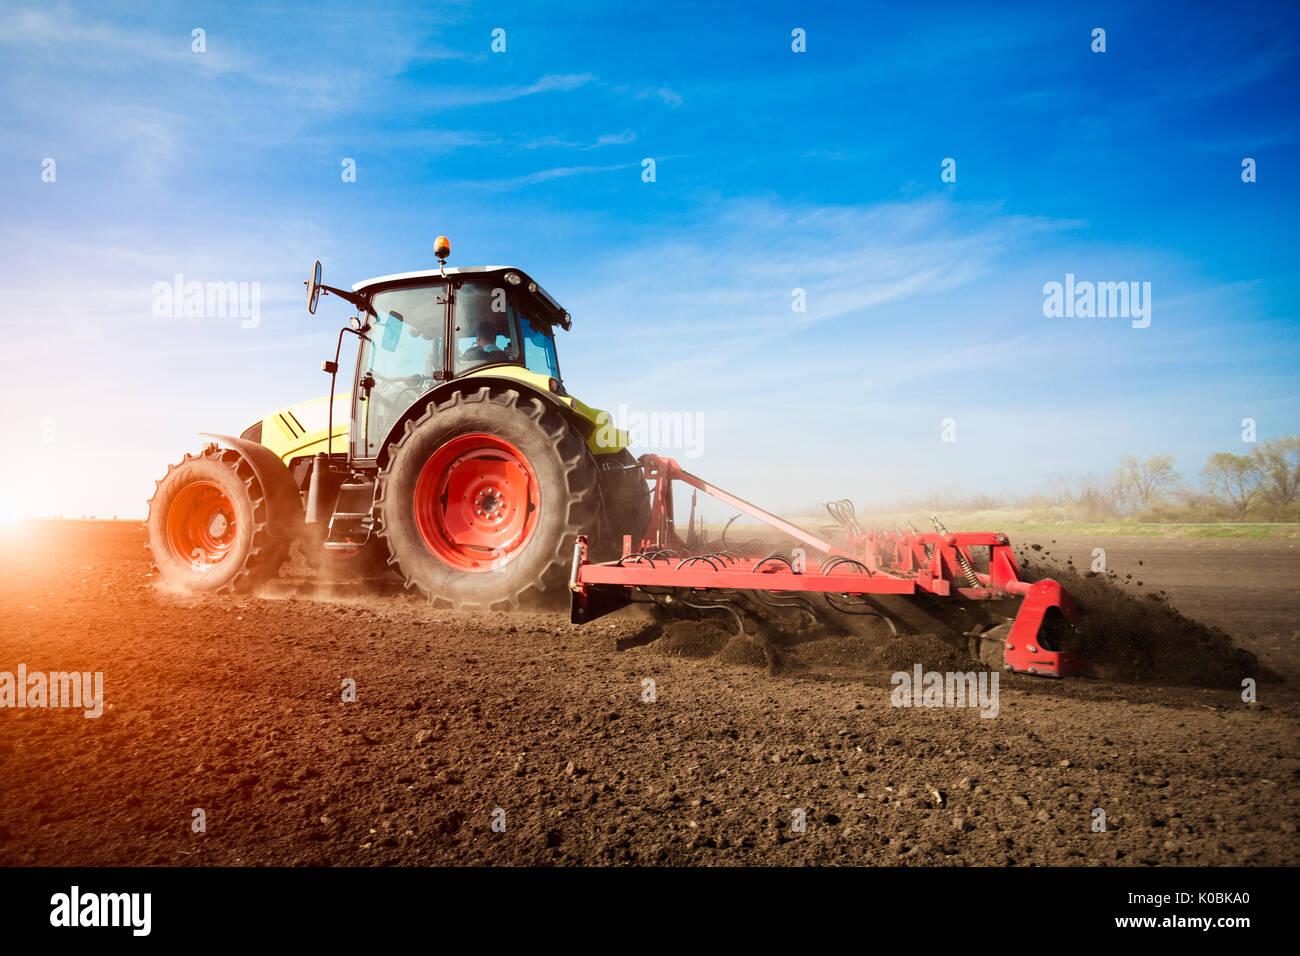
(458, 460)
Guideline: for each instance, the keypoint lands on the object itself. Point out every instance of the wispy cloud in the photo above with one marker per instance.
(663, 94)
(464, 96)
(556, 142)
(737, 270)
(70, 36)
(541, 176)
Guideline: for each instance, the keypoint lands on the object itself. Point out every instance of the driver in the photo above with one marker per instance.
(485, 348)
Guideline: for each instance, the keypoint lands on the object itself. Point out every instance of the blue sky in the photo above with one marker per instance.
(775, 170)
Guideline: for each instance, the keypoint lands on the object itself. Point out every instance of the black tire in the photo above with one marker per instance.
(626, 499)
(249, 552)
(568, 502)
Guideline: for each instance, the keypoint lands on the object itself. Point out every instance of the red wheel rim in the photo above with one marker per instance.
(476, 502)
(201, 527)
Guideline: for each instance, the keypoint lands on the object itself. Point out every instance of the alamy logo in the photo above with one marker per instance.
(53, 689)
(75, 908)
(661, 430)
(1101, 300)
(179, 299)
(949, 689)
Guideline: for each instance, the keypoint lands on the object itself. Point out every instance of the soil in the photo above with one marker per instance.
(1141, 637)
(234, 706)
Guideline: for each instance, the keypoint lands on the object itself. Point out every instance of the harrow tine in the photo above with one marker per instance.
(835, 562)
(726, 526)
(799, 603)
(718, 606)
(870, 611)
(774, 556)
(726, 558)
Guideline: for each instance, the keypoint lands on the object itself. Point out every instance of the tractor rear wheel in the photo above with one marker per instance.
(627, 503)
(208, 528)
(483, 497)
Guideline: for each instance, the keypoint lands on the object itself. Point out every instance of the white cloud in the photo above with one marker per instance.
(669, 97)
(541, 176)
(557, 142)
(480, 96)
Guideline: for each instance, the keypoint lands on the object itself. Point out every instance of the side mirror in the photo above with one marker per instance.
(313, 288)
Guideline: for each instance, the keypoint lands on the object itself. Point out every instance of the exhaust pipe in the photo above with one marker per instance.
(318, 511)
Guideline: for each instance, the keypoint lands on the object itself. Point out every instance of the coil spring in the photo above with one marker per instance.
(844, 513)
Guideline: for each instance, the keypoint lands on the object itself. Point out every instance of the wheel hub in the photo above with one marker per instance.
(489, 504)
(201, 526)
(475, 502)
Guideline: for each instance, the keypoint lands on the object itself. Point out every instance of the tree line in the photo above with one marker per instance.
(1260, 485)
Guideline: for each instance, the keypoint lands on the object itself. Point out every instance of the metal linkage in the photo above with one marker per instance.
(962, 560)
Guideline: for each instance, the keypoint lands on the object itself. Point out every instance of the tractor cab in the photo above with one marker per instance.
(422, 329)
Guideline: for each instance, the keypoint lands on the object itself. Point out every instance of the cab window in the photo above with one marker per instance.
(484, 327)
(539, 347)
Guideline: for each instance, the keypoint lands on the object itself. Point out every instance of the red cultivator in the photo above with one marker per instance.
(891, 575)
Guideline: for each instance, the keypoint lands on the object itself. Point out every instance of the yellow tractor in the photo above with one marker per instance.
(458, 458)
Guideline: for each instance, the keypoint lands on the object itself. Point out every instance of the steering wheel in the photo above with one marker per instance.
(413, 380)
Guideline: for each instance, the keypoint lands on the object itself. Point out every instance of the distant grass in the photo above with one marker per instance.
(1279, 532)
(1018, 524)
(1023, 522)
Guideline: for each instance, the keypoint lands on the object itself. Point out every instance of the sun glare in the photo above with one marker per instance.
(13, 517)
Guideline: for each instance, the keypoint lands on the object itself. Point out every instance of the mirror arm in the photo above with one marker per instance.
(350, 297)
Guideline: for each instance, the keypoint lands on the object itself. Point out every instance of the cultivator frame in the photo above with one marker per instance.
(852, 577)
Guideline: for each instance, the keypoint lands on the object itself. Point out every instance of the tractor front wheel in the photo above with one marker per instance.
(483, 497)
(208, 528)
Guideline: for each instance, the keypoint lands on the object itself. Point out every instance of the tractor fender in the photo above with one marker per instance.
(473, 384)
(283, 500)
